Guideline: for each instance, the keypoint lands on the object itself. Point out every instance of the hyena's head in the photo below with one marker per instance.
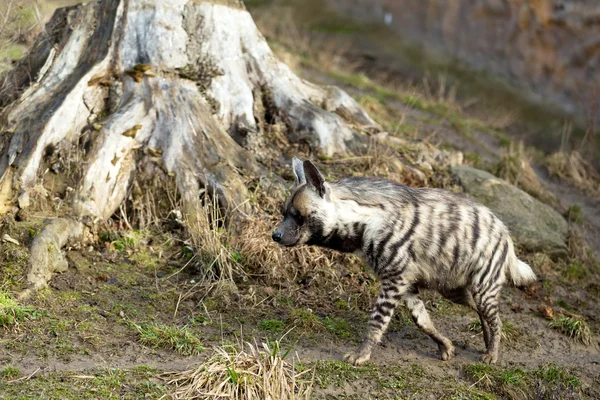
(306, 210)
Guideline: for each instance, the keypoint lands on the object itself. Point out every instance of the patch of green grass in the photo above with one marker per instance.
(181, 340)
(510, 332)
(117, 241)
(562, 303)
(574, 214)
(463, 392)
(446, 307)
(61, 327)
(475, 326)
(338, 326)
(272, 325)
(504, 140)
(460, 124)
(575, 271)
(558, 375)
(394, 378)
(505, 381)
(69, 295)
(199, 320)
(472, 158)
(13, 52)
(337, 373)
(109, 236)
(575, 328)
(136, 383)
(10, 372)
(305, 320)
(480, 371)
(12, 313)
(415, 102)
(341, 304)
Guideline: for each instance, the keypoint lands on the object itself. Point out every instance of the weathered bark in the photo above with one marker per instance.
(117, 87)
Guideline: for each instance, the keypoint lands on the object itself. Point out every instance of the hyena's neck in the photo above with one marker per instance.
(344, 226)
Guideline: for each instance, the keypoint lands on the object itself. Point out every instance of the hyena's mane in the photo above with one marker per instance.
(375, 192)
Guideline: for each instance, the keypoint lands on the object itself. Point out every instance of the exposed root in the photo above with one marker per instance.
(46, 257)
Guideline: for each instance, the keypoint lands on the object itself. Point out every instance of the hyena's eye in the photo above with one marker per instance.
(296, 216)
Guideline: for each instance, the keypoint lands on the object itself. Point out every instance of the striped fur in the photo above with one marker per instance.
(413, 239)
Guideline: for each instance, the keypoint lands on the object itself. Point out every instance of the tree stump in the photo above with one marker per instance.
(121, 88)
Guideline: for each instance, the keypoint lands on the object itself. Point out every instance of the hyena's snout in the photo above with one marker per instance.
(285, 234)
(277, 235)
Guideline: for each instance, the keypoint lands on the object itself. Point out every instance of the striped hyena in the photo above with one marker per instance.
(412, 238)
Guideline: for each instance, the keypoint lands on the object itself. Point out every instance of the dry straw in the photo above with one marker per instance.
(261, 372)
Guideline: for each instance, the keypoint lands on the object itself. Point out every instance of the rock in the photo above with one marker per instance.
(534, 225)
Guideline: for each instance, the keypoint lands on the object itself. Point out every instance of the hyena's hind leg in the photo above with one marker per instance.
(421, 318)
(465, 297)
(487, 307)
(485, 327)
(391, 293)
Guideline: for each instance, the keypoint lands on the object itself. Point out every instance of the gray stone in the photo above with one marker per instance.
(535, 226)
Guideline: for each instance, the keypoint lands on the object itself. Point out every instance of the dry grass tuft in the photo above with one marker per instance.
(258, 373)
(174, 338)
(573, 168)
(262, 257)
(574, 327)
(215, 258)
(515, 167)
(578, 247)
(400, 160)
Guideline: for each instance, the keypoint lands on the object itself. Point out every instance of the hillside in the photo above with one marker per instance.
(135, 307)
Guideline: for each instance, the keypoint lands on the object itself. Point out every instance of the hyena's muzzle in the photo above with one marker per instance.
(287, 233)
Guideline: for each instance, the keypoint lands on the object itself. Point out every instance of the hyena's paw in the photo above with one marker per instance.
(488, 358)
(446, 350)
(358, 357)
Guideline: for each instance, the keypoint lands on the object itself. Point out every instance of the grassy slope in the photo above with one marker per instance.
(129, 308)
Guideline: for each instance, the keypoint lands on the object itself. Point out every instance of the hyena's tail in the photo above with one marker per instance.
(519, 273)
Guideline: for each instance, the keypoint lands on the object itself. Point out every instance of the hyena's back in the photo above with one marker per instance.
(432, 237)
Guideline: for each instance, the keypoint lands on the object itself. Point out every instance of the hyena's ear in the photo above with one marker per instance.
(315, 179)
(298, 171)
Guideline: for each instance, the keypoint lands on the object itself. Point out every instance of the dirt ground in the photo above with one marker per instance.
(89, 335)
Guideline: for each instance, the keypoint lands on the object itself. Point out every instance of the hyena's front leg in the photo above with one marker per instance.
(421, 318)
(391, 292)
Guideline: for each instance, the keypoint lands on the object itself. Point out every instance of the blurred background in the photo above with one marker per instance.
(528, 67)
